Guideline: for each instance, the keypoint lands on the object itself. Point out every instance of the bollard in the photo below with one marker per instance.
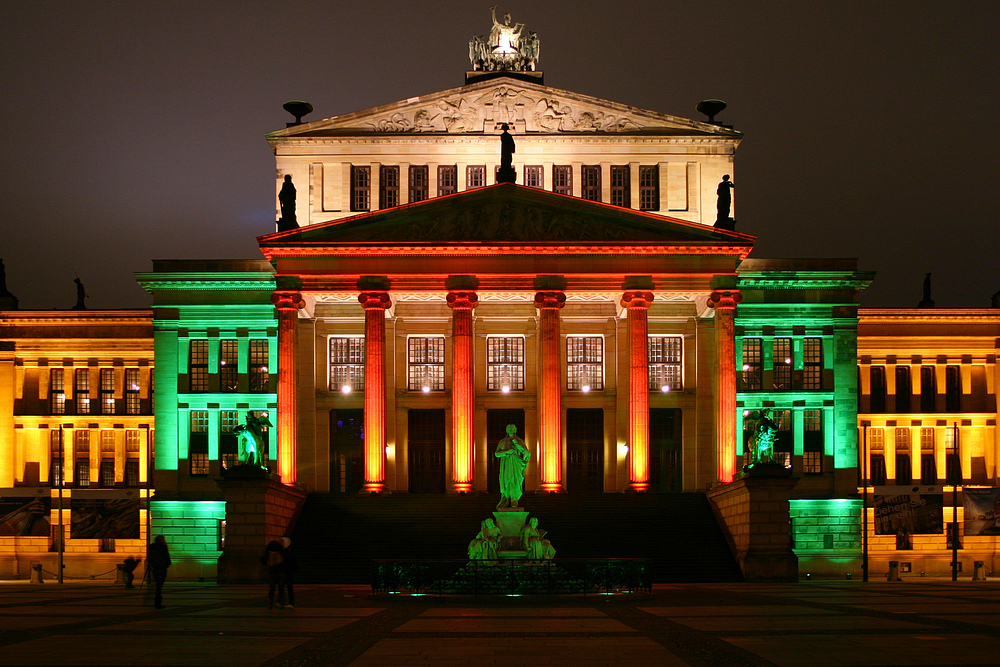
(894, 570)
(120, 573)
(978, 570)
(36, 574)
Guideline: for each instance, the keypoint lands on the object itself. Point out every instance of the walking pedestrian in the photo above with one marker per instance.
(290, 567)
(274, 560)
(158, 560)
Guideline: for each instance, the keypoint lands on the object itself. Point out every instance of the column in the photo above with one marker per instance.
(637, 304)
(724, 303)
(462, 393)
(550, 391)
(375, 305)
(287, 303)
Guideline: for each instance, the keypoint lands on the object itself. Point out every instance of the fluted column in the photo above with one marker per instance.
(287, 303)
(462, 393)
(375, 305)
(550, 391)
(637, 303)
(724, 303)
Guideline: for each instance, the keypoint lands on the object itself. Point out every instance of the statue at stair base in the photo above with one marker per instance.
(510, 537)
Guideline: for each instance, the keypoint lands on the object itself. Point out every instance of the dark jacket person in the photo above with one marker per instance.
(158, 560)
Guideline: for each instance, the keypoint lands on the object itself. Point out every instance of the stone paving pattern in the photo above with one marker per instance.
(815, 623)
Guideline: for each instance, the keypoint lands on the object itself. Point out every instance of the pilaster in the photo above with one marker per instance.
(375, 305)
(724, 303)
(463, 392)
(637, 304)
(550, 390)
(287, 303)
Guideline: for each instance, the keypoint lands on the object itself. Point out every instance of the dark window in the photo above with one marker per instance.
(388, 186)
(562, 180)
(751, 364)
(229, 365)
(621, 194)
(81, 390)
(584, 363)
(447, 179)
(876, 473)
(649, 188)
(877, 388)
(107, 472)
(585, 450)
(426, 363)
(426, 436)
(591, 182)
(533, 176)
(347, 364)
(928, 389)
(928, 469)
(475, 176)
(259, 366)
(781, 363)
(198, 365)
(131, 472)
(903, 389)
(107, 391)
(198, 444)
(228, 443)
(57, 391)
(812, 363)
(419, 183)
(904, 471)
(666, 361)
(505, 363)
(812, 441)
(133, 405)
(55, 457)
(953, 389)
(361, 185)
(347, 449)
(82, 472)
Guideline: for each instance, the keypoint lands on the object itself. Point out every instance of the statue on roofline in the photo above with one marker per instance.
(506, 48)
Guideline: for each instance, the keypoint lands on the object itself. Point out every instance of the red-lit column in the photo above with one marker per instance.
(375, 305)
(462, 393)
(550, 391)
(725, 380)
(638, 303)
(287, 303)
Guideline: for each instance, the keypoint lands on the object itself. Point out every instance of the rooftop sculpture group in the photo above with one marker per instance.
(506, 48)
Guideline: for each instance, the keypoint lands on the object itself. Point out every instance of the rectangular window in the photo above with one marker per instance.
(927, 439)
(812, 363)
(388, 186)
(904, 470)
(585, 363)
(533, 176)
(228, 443)
(133, 442)
(876, 439)
(649, 188)
(133, 406)
(928, 469)
(198, 366)
(229, 365)
(107, 391)
(81, 455)
(666, 363)
(621, 194)
(953, 389)
(562, 179)
(107, 472)
(419, 183)
(426, 363)
(131, 472)
(877, 471)
(361, 184)
(347, 364)
(198, 444)
(784, 442)
(928, 389)
(57, 391)
(781, 363)
(475, 176)
(877, 388)
(81, 390)
(107, 442)
(812, 441)
(447, 179)
(752, 364)
(590, 186)
(505, 363)
(903, 389)
(258, 366)
(55, 457)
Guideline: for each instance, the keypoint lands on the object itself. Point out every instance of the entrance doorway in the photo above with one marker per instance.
(665, 446)
(496, 430)
(347, 451)
(585, 450)
(426, 444)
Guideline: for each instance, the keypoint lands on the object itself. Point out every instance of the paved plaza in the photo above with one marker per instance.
(915, 622)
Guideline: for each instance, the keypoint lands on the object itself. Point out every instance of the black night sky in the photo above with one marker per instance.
(135, 130)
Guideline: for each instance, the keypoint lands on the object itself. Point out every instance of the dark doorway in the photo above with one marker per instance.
(665, 450)
(347, 451)
(585, 450)
(496, 430)
(426, 448)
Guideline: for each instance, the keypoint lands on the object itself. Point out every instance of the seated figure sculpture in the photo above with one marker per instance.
(533, 541)
(484, 545)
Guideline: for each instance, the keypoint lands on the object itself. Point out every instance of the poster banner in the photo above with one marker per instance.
(909, 510)
(24, 516)
(103, 518)
(982, 509)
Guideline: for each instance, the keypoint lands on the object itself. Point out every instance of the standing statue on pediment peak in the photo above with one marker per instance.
(504, 37)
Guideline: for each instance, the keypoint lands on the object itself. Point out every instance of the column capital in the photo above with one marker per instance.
(637, 299)
(287, 300)
(550, 299)
(374, 300)
(462, 300)
(724, 299)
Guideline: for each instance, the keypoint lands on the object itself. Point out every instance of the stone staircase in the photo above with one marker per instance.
(337, 536)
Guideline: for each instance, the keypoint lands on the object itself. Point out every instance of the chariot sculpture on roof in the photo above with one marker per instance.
(507, 48)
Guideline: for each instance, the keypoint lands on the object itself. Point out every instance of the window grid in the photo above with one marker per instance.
(198, 450)
(927, 439)
(81, 455)
(361, 180)
(902, 439)
(198, 366)
(107, 472)
(620, 192)
(562, 179)
(533, 176)
(649, 188)
(953, 389)
(505, 363)
(752, 364)
(904, 389)
(419, 183)
(426, 363)
(475, 176)
(388, 186)
(781, 363)
(877, 388)
(665, 359)
(876, 439)
(57, 391)
(132, 403)
(347, 363)
(132, 442)
(928, 389)
(590, 182)
(447, 180)
(229, 365)
(55, 457)
(131, 472)
(228, 447)
(107, 378)
(259, 374)
(812, 363)
(81, 390)
(584, 363)
(812, 442)
(107, 441)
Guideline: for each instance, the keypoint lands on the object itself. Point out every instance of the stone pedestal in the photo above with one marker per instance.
(259, 509)
(510, 522)
(754, 510)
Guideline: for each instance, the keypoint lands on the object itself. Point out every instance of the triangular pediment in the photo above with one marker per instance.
(529, 108)
(508, 214)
